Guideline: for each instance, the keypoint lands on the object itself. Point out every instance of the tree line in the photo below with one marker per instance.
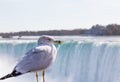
(96, 30)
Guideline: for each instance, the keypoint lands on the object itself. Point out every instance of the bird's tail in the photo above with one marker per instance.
(13, 74)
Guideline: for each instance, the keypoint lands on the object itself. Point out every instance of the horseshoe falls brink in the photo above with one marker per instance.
(77, 61)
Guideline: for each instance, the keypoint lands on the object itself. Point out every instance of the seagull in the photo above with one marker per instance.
(37, 59)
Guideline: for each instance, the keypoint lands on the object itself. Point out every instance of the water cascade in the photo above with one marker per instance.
(77, 61)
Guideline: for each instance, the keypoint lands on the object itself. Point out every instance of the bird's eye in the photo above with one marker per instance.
(49, 39)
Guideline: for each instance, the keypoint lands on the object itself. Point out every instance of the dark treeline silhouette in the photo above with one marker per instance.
(111, 29)
(38, 33)
(96, 30)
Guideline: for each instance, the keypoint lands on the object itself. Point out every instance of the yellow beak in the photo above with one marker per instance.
(57, 41)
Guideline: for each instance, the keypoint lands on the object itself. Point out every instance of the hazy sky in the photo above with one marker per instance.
(20, 15)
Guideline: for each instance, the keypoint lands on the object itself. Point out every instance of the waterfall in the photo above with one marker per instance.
(77, 61)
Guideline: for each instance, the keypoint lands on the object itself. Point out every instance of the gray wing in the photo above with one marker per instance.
(34, 60)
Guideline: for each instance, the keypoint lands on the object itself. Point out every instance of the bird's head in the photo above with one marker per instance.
(47, 40)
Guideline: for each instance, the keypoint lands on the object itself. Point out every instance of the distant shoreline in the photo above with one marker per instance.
(96, 30)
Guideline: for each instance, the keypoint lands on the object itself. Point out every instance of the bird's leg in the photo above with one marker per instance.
(37, 76)
(43, 75)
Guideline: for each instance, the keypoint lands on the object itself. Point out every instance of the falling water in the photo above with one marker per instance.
(77, 61)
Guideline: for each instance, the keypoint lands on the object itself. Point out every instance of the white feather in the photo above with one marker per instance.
(38, 58)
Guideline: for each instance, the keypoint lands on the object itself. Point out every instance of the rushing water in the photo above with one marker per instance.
(81, 60)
